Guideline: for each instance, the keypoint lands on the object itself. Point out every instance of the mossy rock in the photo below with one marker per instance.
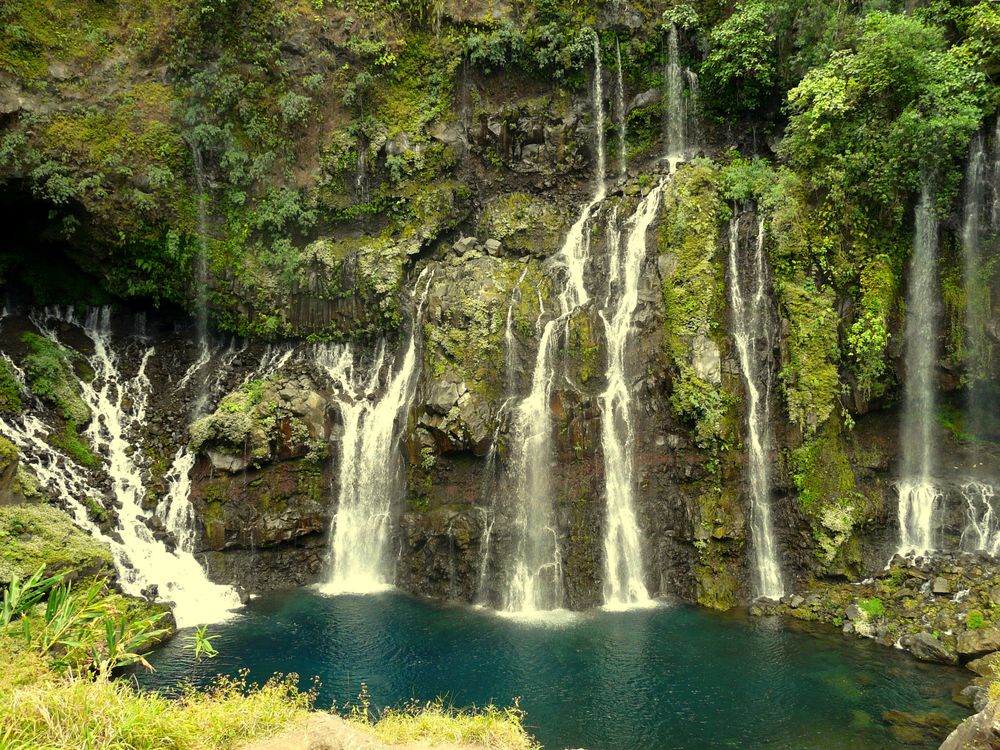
(35, 536)
(524, 224)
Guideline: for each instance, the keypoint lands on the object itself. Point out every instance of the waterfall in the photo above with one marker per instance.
(535, 580)
(622, 114)
(752, 329)
(976, 291)
(623, 565)
(982, 521)
(676, 102)
(119, 408)
(918, 497)
(370, 474)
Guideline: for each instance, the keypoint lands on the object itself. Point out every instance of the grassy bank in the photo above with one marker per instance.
(60, 646)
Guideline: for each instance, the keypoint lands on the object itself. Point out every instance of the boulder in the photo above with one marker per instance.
(926, 647)
(985, 666)
(941, 586)
(854, 613)
(978, 732)
(975, 643)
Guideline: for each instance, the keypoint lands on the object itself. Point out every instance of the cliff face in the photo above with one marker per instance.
(316, 158)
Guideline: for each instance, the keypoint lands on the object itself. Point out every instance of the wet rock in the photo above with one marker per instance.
(975, 643)
(979, 732)
(854, 613)
(227, 462)
(941, 586)
(926, 647)
(985, 666)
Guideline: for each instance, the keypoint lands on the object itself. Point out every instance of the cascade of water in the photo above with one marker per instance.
(623, 564)
(676, 102)
(370, 464)
(982, 521)
(622, 114)
(918, 497)
(119, 408)
(535, 580)
(976, 290)
(575, 250)
(751, 323)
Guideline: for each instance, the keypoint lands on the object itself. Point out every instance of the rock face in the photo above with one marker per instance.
(978, 732)
(926, 647)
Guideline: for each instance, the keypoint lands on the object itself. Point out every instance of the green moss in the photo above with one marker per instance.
(694, 297)
(829, 496)
(583, 347)
(10, 390)
(70, 442)
(36, 535)
(524, 224)
(869, 335)
(50, 375)
(873, 607)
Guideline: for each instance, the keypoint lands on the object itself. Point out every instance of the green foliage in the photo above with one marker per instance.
(854, 120)
(10, 390)
(869, 335)
(200, 643)
(740, 72)
(78, 628)
(975, 620)
(873, 607)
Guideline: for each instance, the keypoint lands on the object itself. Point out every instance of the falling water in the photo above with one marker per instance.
(918, 497)
(535, 580)
(676, 101)
(751, 328)
(982, 519)
(119, 408)
(370, 465)
(622, 114)
(623, 564)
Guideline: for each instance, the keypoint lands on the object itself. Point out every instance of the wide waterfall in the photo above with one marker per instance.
(370, 475)
(535, 576)
(623, 565)
(752, 329)
(918, 496)
(118, 404)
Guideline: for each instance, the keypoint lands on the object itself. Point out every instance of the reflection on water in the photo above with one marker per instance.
(673, 677)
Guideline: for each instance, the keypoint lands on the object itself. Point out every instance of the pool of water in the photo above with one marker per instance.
(674, 677)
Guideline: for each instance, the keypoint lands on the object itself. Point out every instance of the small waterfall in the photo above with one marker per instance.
(175, 508)
(677, 110)
(575, 251)
(622, 114)
(918, 497)
(370, 472)
(752, 329)
(535, 579)
(119, 408)
(982, 521)
(623, 563)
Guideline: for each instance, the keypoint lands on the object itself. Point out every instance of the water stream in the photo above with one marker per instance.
(535, 578)
(752, 329)
(118, 404)
(370, 474)
(623, 561)
(919, 499)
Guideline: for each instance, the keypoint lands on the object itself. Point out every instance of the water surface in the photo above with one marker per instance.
(673, 677)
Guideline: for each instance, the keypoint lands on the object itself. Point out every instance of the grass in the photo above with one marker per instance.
(437, 722)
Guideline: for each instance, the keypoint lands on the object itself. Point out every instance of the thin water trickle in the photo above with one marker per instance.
(622, 114)
(919, 499)
(752, 324)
